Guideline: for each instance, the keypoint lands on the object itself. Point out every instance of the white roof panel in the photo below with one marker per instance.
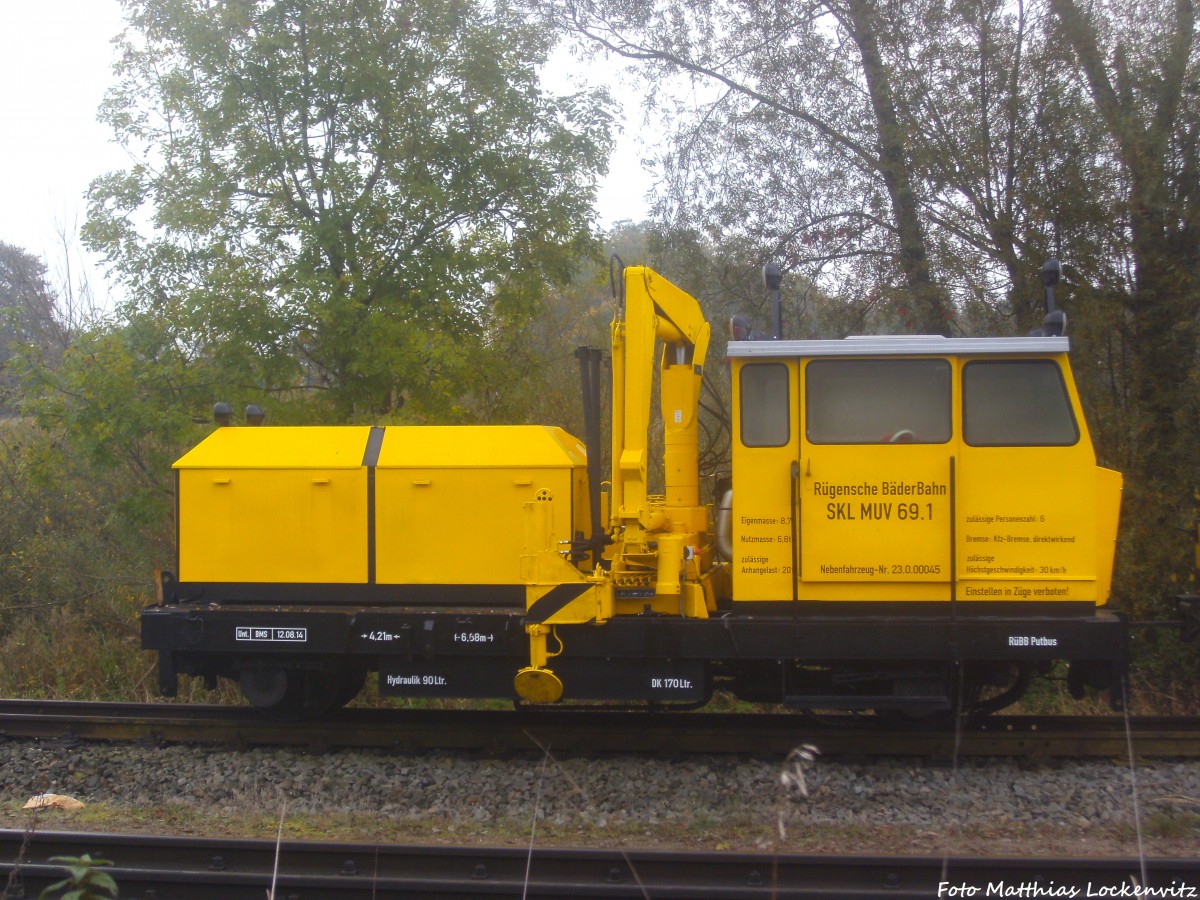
(902, 345)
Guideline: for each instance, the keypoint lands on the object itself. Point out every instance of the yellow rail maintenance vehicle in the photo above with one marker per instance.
(913, 524)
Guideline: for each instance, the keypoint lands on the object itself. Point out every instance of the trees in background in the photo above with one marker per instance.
(29, 323)
(84, 485)
(343, 198)
(903, 156)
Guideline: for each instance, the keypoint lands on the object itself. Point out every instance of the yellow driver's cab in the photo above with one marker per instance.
(892, 471)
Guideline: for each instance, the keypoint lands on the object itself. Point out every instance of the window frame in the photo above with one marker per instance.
(947, 370)
(1041, 363)
(786, 406)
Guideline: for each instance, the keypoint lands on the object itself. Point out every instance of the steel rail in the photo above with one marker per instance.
(151, 866)
(600, 731)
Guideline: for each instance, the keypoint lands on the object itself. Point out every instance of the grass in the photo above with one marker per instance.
(1151, 693)
(1167, 832)
(1173, 824)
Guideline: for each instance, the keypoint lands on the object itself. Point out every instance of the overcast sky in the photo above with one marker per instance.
(55, 67)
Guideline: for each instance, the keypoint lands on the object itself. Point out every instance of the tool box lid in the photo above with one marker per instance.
(480, 446)
(280, 447)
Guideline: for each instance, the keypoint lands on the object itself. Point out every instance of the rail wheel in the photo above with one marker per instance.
(275, 690)
(293, 693)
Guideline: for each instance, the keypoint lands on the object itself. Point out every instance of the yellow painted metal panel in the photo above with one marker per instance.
(1028, 523)
(762, 517)
(293, 525)
(876, 513)
(1108, 513)
(1028, 518)
(279, 447)
(450, 500)
(464, 525)
(498, 446)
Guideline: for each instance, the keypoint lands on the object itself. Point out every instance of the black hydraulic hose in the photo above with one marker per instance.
(589, 375)
(616, 283)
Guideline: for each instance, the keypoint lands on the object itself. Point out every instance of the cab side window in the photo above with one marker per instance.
(764, 405)
(1017, 403)
(872, 401)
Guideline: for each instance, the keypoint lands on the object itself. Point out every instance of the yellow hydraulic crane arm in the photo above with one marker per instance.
(654, 309)
(660, 554)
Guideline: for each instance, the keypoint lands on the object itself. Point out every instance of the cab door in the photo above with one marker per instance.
(1030, 493)
(765, 449)
(876, 472)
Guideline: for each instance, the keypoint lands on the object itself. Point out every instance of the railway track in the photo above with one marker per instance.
(514, 731)
(146, 866)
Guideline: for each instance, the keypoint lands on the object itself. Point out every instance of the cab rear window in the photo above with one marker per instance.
(765, 405)
(1017, 403)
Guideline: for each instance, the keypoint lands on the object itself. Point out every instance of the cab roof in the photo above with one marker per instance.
(902, 345)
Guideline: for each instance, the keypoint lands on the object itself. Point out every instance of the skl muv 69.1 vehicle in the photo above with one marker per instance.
(911, 524)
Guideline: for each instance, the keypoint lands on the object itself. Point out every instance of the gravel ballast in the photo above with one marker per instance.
(713, 802)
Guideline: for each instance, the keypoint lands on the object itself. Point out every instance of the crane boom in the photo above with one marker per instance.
(656, 310)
